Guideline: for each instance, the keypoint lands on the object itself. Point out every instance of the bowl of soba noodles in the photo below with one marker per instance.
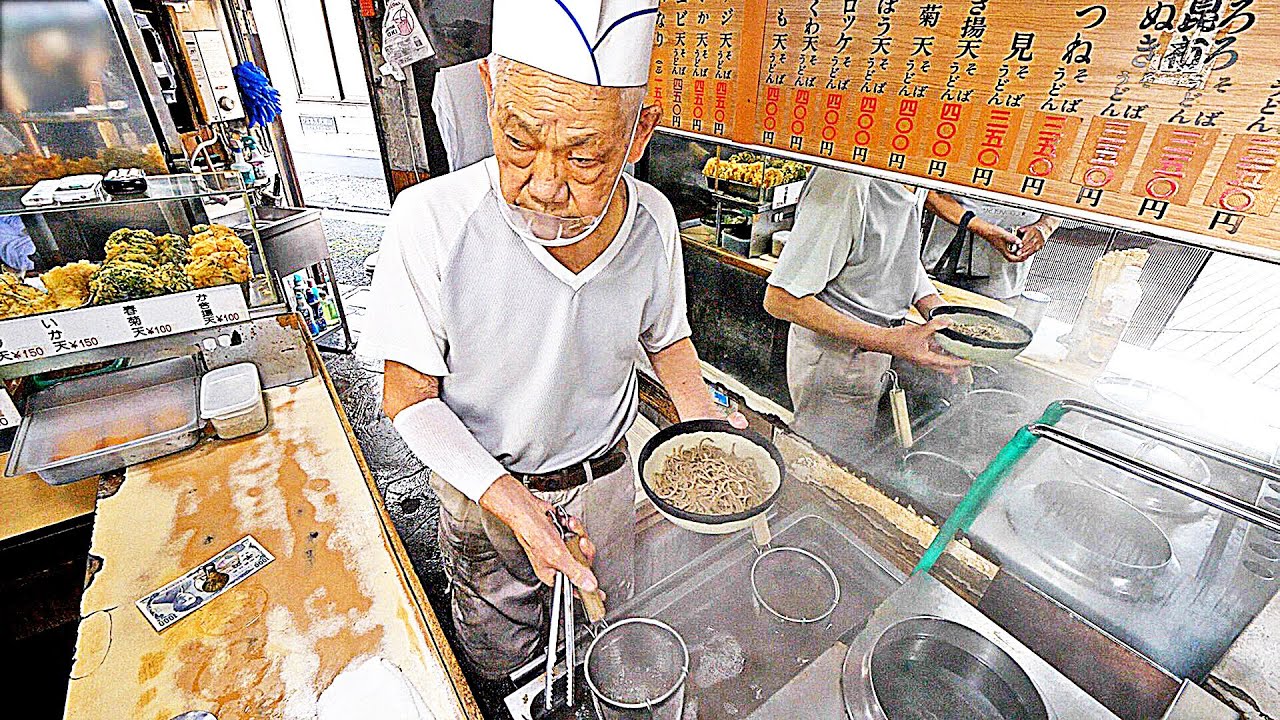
(981, 335)
(710, 477)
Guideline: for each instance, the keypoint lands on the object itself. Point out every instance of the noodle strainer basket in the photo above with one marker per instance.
(636, 669)
(794, 585)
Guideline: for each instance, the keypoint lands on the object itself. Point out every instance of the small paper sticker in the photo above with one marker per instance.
(197, 587)
(9, 416)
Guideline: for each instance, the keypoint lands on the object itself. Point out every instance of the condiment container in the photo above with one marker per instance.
(231, 397)
(91, 425)
(779, 239)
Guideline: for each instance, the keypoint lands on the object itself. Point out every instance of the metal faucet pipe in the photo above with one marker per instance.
(1012, 453)
(1155, 432)
(1140, 468)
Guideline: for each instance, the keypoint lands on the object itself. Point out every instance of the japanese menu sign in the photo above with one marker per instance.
(40, 336)
(706, 64)
(1159, 111)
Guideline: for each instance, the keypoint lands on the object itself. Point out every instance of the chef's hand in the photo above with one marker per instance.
(1033, 238)
(1005, 242)
(715, 412)
(527, 517)
(915, 343)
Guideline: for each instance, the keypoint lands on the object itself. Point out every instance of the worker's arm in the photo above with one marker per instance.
(913, 343)
(926, 304)
(680, 373)
(412, 400)
(949, 209)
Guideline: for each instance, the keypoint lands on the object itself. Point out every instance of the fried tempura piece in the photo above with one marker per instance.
(68, 285)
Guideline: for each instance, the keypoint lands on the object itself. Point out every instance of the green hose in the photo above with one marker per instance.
(983, 487)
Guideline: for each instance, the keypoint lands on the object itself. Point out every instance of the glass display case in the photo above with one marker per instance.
(97, 273)
(68, 101)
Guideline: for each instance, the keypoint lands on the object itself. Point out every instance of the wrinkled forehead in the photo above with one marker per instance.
(542, 100)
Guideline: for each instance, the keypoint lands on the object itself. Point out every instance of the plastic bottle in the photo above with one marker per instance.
(256, 160)
(239, 165)
(303, 309)
(1115, 310)
(329, 306)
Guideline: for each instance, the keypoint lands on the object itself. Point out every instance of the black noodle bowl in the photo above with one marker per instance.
(648, 464)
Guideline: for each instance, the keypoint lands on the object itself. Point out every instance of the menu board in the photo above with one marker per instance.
(706, 64)
(1162, 112)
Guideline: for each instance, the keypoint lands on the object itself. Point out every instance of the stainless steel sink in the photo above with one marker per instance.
(927, 668)
(927, 654)
(293, 238)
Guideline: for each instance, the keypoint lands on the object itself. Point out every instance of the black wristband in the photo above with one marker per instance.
(966, 219)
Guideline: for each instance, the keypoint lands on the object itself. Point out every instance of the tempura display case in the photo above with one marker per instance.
(126, 280)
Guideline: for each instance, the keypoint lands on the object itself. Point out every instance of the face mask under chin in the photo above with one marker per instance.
(548, 230)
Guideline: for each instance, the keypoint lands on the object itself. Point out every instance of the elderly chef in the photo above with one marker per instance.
(512, 302)
(845, 281)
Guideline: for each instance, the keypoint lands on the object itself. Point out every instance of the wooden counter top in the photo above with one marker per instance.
(28, 503)
(339, 592)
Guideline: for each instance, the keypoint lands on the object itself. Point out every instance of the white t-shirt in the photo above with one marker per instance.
(537, 362)
(462, 114)
(856, 246)
(1003, 278)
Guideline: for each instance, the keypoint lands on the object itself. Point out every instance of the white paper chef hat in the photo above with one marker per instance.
(595, 42)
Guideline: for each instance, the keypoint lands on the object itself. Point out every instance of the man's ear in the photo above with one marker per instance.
(649, 117)
(487, 79)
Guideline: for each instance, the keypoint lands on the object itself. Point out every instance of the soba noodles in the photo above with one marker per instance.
(706, 480)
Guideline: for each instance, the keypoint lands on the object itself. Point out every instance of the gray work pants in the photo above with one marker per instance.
(836, 389)
(501, 611)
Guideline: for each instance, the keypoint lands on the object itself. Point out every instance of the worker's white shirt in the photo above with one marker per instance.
(462, 114)
(856, 246)
(1003, 279)
(539, 363)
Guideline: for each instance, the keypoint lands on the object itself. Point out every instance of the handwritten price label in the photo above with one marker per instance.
(40, 336)
(9, 416)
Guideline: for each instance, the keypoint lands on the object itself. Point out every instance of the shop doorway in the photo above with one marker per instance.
(313, 57)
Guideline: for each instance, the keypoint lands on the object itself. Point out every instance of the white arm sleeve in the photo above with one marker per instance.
(435, 434)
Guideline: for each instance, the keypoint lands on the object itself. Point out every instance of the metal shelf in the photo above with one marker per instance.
(160, 188)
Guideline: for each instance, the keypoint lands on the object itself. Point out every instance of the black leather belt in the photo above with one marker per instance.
(575, 475)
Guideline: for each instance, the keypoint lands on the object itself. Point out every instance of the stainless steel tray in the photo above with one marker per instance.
(740, 654)
(85, 427)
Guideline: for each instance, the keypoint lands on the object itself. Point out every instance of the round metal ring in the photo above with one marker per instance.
(835, 586)
(684, 669)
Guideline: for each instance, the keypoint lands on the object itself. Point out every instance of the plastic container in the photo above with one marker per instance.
(231, 397)
(779, 239)
(88, 426)
(1115, 310)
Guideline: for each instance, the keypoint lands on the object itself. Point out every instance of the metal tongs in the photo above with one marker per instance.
(562, 604)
